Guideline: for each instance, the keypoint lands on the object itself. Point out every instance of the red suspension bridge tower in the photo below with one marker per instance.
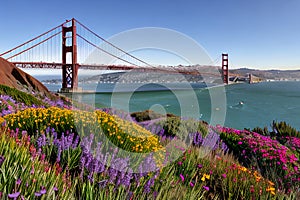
(69, 66)
(225, 72)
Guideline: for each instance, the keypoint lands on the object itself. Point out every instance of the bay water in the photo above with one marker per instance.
(241, 105)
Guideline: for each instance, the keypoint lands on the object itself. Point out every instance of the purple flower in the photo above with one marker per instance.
(18, 182)
(37, 194)
(2, 158)
(14, 195)
(103, 183)
(148, 165)
(197, 139)
(41, 192)
(211, 140)
(239, 143)
(42, 141)
(128, 176)
(129, 195)
(112, 174)
(224, 146)
(148, 185)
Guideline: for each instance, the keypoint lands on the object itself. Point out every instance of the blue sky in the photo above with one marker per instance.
(260, 34)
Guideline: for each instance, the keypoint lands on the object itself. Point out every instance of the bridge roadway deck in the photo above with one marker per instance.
(168, 69)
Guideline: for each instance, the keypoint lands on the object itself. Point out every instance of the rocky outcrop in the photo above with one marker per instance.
(14, 77)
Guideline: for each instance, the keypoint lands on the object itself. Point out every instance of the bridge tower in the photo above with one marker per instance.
(69, 64)
(225, 68)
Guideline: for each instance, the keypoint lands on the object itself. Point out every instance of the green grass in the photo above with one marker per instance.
(32, 173)
(20, 96)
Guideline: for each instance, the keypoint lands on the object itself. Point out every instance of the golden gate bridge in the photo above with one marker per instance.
(58, 48)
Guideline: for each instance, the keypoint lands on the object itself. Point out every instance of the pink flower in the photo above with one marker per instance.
(224, 175)
(296, 168)
(206, 188)
(182, 177)
(293, 158)
(265, 155)
(252, 189)
(191, 184)
(239, 143)
(179, 163)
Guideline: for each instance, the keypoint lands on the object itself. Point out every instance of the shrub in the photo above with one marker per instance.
(174, 126)
(283, 129)
(275, 161)
(149, 115)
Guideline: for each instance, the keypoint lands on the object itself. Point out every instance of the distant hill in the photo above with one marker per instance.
(269, 74)
(14, 77)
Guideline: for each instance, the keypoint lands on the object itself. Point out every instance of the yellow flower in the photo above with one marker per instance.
(243, 169)
(205, 176)
(271, 190)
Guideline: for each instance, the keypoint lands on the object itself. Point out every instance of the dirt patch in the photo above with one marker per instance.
(14, 77)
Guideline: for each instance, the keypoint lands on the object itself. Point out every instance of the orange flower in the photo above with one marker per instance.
(271, 183)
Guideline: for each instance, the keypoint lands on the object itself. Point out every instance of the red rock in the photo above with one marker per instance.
(14, 77)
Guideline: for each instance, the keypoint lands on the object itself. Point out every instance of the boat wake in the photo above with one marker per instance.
(238, 105)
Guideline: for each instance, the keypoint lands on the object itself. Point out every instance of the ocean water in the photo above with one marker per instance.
(237, 105)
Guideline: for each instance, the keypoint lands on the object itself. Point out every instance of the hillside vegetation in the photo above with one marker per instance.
(50, 149)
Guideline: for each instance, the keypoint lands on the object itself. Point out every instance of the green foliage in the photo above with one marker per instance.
(279, 129)
(20, 96)
(174, 126)
(69, 158)
(171, 126)
(149, 115)
(232, 141)
(33, 174)
(284, 129)
(263, 131)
